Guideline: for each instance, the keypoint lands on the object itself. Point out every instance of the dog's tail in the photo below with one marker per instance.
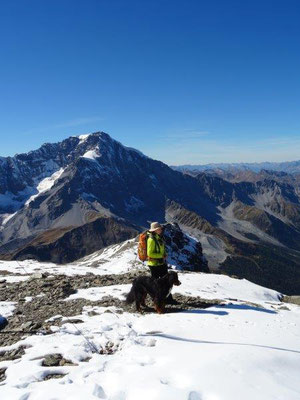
(130, 296)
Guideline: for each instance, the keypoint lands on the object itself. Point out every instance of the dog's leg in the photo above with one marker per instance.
(143, 302)
(138, 301)
(138, 306)
(159, 307)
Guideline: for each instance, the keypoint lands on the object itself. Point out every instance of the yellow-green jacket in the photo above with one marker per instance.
(156, 249)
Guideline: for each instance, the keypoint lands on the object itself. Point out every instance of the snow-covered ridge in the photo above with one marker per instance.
(246, 347)
(250, 351)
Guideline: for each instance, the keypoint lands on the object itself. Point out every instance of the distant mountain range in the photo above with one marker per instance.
(69, 199)
(290, 167)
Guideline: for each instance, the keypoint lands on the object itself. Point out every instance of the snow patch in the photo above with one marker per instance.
(83, 138)
(91, 155)
(97, 293)
(7, 217)
(7, 308)
(45, 185)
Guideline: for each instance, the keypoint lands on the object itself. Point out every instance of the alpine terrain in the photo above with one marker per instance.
(71, 213)
(66, 200)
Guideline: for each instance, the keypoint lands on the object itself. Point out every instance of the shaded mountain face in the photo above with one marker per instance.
(90, 191)
(67, 245)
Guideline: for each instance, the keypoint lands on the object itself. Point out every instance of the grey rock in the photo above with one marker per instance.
(291, 299)
(52, 360)
(38, 275)
(2, 374)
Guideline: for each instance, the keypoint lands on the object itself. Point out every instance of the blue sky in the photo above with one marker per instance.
(184, 81)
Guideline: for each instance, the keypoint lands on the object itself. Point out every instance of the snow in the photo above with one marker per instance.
(91, 155)
(97, 293)
(14, 201)
(83, 138)
(6, 309)
(223, 352)
(14, 278)
(45, 184)
(115, 259)
(246, 348)
(7, 217)
(212, 286)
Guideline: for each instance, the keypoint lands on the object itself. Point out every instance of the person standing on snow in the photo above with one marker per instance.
(157, 255)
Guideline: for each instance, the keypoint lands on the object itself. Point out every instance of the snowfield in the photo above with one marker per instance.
(247, 347)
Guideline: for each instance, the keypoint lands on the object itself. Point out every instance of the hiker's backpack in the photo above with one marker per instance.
(142, 247)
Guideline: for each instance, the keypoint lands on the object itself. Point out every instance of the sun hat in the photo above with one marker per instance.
(154, 226)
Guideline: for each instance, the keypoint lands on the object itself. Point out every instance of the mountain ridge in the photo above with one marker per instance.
(90, 177)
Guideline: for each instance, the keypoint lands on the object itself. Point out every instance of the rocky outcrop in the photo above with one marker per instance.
(183, 251)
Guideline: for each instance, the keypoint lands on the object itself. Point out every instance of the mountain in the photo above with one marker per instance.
(92, 179)
(69, 199)
(291, 167)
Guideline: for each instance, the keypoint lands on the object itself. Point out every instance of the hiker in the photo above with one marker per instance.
(157, 255)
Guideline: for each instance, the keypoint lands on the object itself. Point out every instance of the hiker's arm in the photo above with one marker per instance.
(151, 249)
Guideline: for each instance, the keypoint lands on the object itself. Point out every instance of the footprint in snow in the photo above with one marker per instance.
(25, 396)
(164, 381)
(99, 392)
(194, 396)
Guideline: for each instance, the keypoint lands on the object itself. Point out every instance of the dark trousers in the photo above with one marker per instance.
(158, 271)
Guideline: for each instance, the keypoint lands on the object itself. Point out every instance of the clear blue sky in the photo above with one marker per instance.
(188, 81)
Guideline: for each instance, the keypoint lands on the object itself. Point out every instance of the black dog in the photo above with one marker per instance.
(158, 289)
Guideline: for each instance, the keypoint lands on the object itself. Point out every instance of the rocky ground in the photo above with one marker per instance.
(42, 297)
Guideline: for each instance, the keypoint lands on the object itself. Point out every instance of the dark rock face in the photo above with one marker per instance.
(77, 242)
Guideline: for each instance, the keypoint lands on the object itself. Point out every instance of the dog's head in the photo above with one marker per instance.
(173, 278)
